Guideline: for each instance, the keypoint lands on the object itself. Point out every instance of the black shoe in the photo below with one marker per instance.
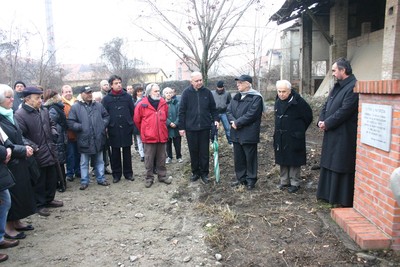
(205, 179)
(293, 189)
(78, 175)
(283, 186)
(130, 178)
(83, 187)
(116, 180)
(142, 159)
(194, 178)
(70, 178)
(238, 183)
(250, 187)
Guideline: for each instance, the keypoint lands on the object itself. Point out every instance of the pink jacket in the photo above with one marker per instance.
(150, 122)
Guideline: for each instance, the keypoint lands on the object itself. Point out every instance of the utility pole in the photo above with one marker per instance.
(51, 46)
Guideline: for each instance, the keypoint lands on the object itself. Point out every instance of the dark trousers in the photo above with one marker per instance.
(199, 148)
(119, 167)
(154, 157)
(45, 188)
(177, 144)
(246, 162)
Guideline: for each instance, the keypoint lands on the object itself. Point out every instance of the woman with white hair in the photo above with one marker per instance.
(172, 125)
(23, 202)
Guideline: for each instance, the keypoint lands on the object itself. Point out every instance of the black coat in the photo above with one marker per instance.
(89, 122)
(340, 114)
(292, 118)
(197, 110)
(39, 131)
(22, 195)
(246, 113)
(121, 108)
(57, 115)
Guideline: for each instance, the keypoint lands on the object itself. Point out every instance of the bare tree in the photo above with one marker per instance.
(18, 64)
(208, 27)
(117, 61)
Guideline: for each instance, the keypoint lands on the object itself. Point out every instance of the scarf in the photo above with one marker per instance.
(8, 113)
(153, 102)
(116, 92)
(69, 102)
(254, 92)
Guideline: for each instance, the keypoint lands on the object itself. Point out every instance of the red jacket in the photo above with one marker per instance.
(150, 122)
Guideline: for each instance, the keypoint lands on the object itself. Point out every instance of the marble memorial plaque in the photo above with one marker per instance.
(376, 124)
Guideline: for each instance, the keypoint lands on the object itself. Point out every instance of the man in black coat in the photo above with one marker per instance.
(244, 114)
(338, 120)
(293, 115)
(39, 132)
(120, 129)
(197, 112)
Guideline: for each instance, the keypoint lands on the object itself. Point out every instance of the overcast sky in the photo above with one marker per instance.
(81, 27)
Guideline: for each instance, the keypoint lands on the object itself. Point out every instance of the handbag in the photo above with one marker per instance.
(7, 179)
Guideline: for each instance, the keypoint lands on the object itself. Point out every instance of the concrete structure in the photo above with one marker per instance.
(367, 33)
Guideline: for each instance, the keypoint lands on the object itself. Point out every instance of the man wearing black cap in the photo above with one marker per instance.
(222, 100)
(39, 131)
(196, 114)
(89, 120)
(244, 114)
(18, 88)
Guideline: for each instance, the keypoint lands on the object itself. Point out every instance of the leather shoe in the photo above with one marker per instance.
(116, 180)
(43, 212)
(55, 204)
(29, 227)
(83, 186)
(194, 178)
(293, 189)
(104, 183)
(3, 257)
(250, 187)
(70, 178)
(21, 235)
(8, 243)
(148, 183)
(238, 183)
(165, 181)
(205, 179)
(130, 178)
(283, 186)
(142, 159)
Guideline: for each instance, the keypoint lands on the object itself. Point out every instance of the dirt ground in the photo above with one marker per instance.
(190, 224)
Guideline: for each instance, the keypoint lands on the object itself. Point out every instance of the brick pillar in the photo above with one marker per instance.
(391, 41)
(374, 220)
(338, 29)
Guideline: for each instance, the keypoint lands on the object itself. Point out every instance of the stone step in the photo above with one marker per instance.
(361, 230)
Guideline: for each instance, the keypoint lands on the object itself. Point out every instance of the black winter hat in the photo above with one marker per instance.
(19, 82)
(220, 84)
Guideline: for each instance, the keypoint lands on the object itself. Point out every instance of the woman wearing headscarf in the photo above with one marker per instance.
(22, 195)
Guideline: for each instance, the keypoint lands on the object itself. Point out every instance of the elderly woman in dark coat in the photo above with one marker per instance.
(293, 115)
(52, 101)
(22, 194)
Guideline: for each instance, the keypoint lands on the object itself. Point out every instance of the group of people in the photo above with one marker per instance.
(43, 131)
